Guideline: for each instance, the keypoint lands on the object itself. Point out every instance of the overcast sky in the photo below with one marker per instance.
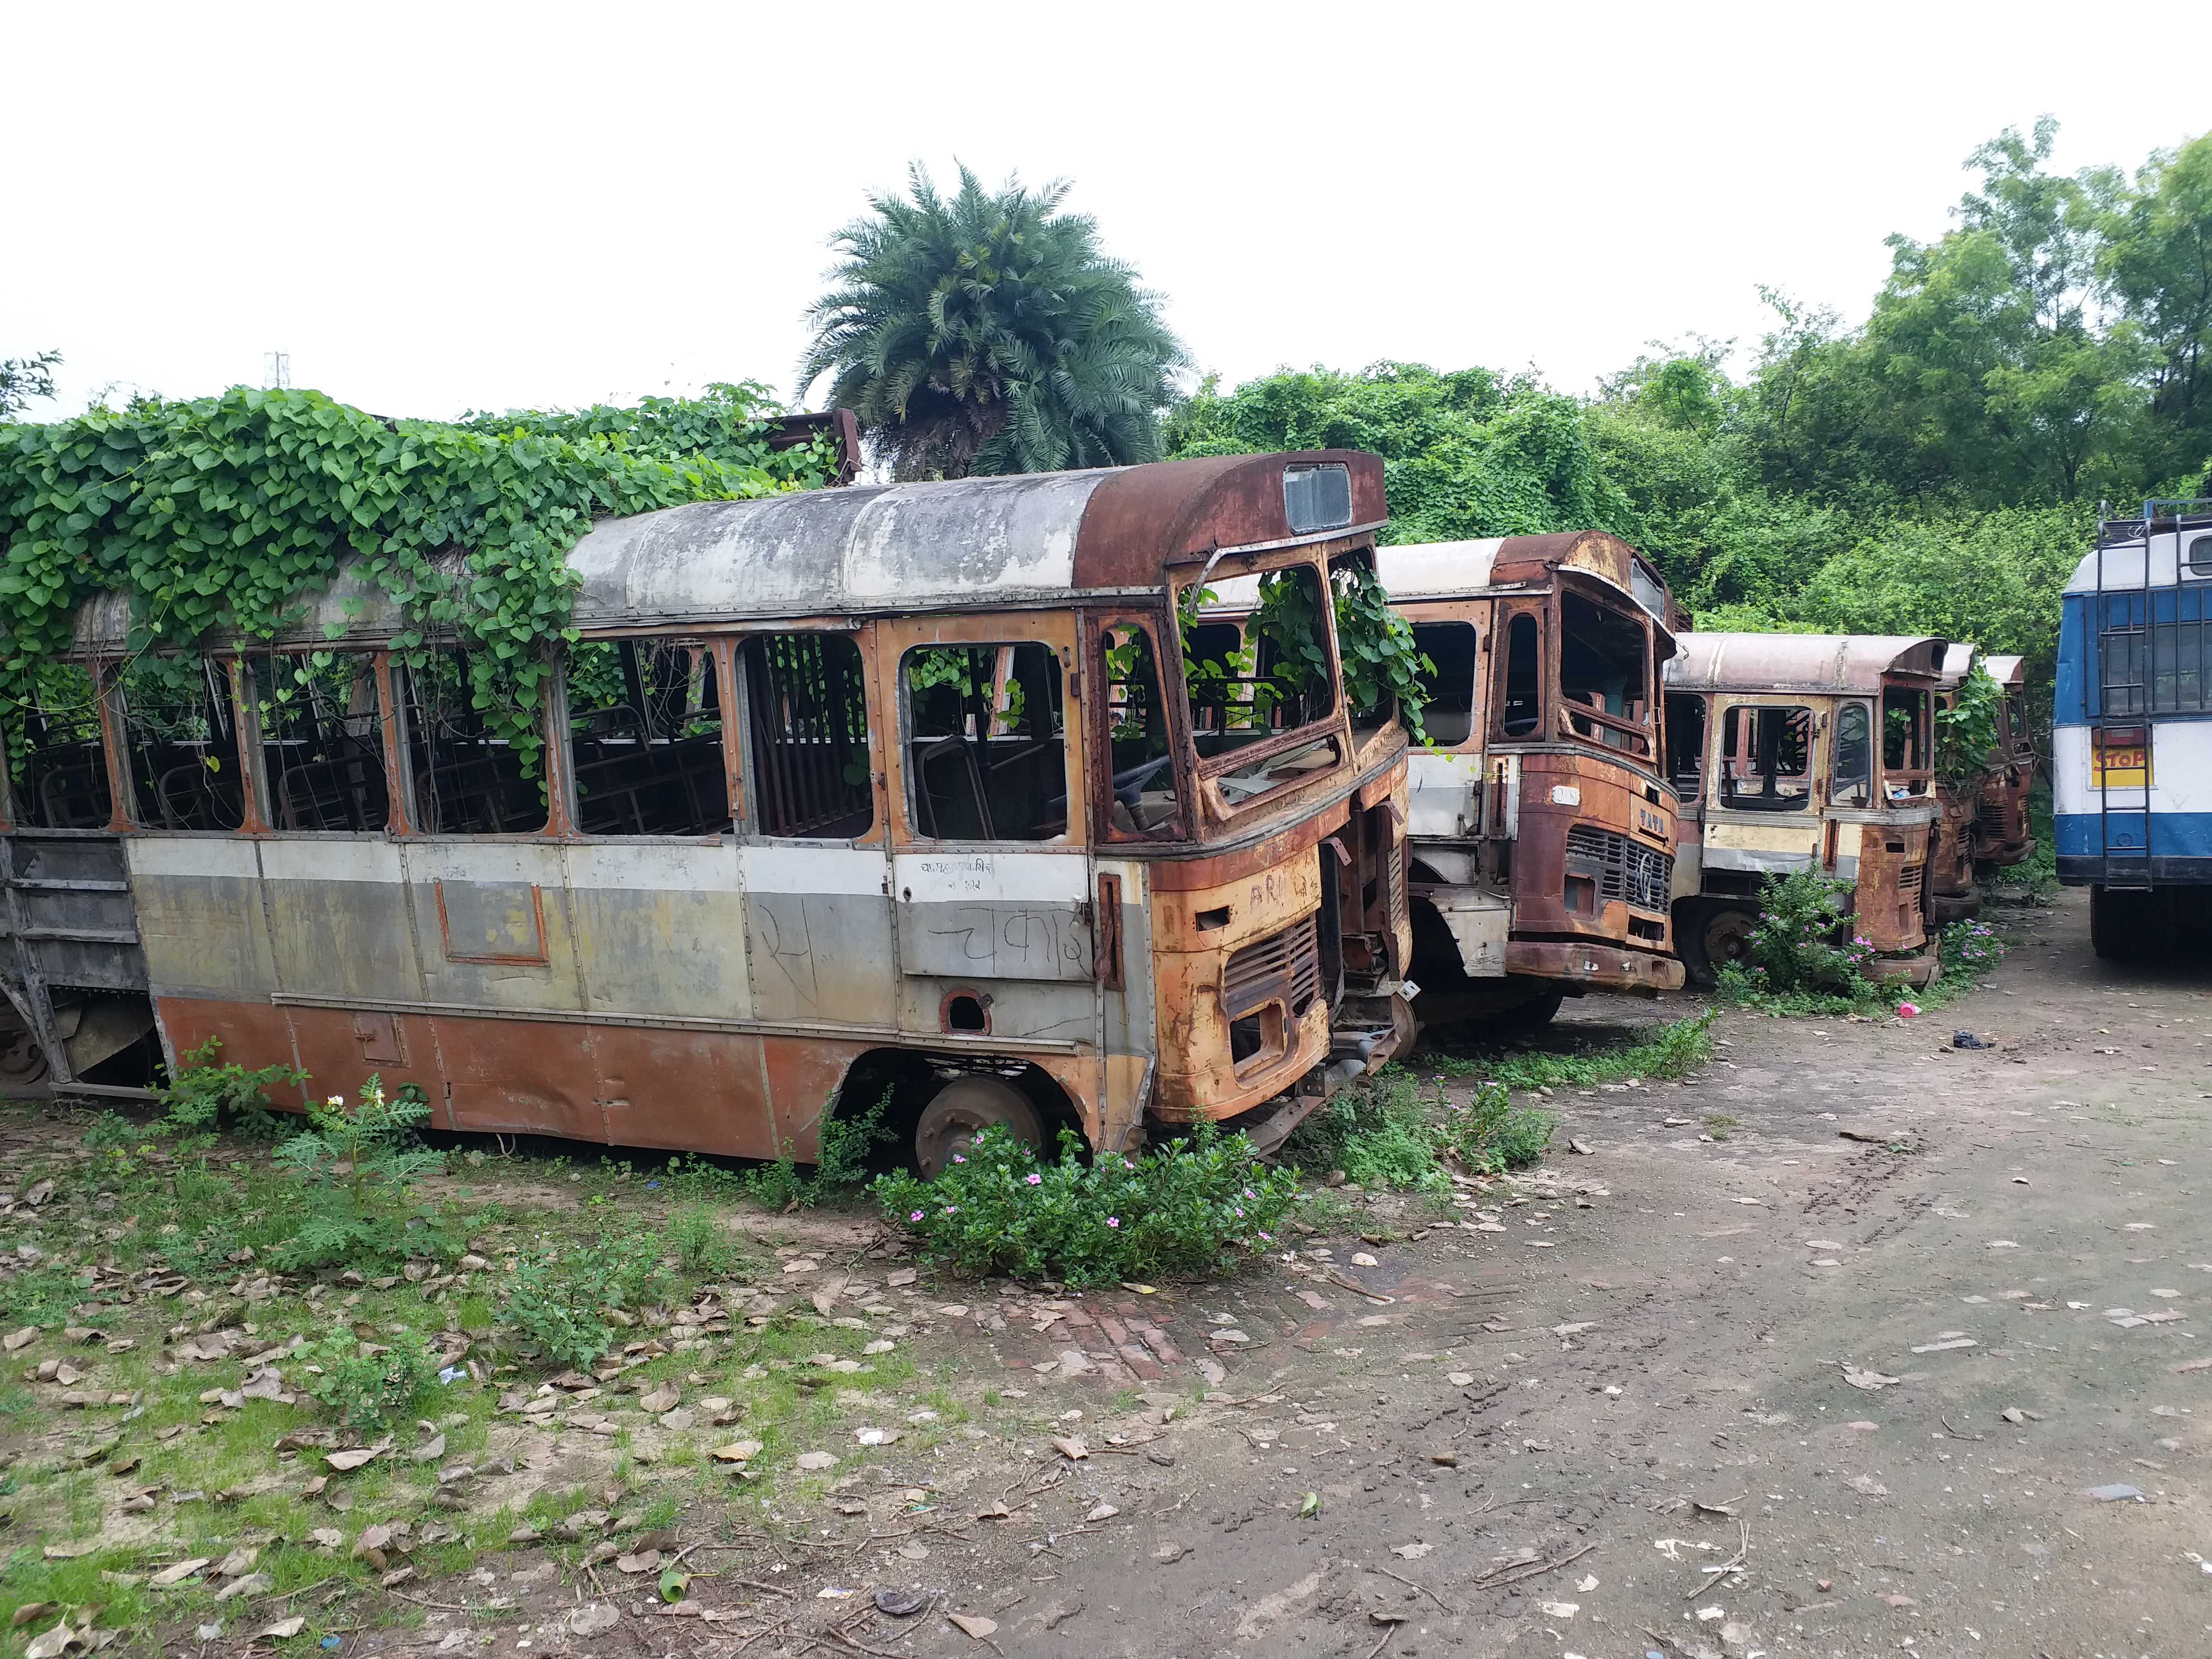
(442, 207)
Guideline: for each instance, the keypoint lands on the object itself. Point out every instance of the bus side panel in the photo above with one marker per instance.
(338, 918)
(200, 919)
(493, 925)
(817, 933)
(658, 928)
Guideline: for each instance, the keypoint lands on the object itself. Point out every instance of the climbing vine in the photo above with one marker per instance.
(1966, 729)
(1381, 661)
(225, 515)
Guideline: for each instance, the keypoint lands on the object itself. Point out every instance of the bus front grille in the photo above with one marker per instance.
(1284, 968)
(1625, 870)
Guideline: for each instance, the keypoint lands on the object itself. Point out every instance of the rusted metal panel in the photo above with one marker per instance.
(1892, 879)
(1174, 511)
(1829, 664)
(1603, 966)
(700, 1091)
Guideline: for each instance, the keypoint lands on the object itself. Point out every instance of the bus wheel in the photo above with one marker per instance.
(1531, 1015)
(1724, 936)
(962, 1109)
(2130, 926)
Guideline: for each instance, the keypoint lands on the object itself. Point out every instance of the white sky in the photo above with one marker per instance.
(438, 207)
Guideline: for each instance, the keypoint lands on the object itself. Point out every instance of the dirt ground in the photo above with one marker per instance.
(1828, 1351)
(1845, 1376)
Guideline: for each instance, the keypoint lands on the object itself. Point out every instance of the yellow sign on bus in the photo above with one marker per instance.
(2119, 758)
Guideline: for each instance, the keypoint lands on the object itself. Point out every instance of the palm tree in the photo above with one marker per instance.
(988, 333)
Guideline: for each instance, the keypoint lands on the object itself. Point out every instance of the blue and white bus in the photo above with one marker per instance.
(2131, 739)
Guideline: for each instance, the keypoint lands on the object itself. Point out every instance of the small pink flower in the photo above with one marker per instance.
(957, 1159)
(916, 1216)
(1113, 1220)
(951, 1209)
(1037, 1181)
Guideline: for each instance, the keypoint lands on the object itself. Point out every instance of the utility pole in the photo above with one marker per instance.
(276, 370)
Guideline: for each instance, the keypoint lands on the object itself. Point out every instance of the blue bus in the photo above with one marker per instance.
(2131, 738)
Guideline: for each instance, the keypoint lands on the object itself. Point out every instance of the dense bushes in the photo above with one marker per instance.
(1188, 1208)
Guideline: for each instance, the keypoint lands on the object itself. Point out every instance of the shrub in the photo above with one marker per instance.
(1803, 943)
(1377, 1134)
(357, 1167)
(1189, 1208)
(702, 1246)
(1490, 1134)
(1969, 949)
(841, 1161)
(558, 1298)
(206, 1095)
(366, 1388)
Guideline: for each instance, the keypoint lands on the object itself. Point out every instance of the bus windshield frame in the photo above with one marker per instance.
(1262, 698)
(1605, 675)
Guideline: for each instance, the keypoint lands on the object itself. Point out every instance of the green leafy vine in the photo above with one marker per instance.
(1381, 661)
(224, 515)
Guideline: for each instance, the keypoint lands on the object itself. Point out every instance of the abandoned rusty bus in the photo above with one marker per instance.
(1543, 822)
(2003, 833)
(851, 790)
(1798, 751)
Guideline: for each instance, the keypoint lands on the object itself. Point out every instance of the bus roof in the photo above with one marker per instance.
(1450, 570)
(1827, 664)
(876, 549)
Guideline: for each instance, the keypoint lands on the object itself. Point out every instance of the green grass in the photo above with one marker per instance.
(1677, 1050)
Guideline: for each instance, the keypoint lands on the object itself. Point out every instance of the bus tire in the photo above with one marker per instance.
(963, 1108)
(1709, 936)
(2133, 925)
(1534, 1014)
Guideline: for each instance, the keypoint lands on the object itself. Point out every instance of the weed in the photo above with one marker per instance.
(206, 1094)
(1490, 1134)
(558, 1298)
(1187, 1207)
(1718, 1124)
(778, 1186)
(1680, 1048)
(702, 1247)
(365, 1382)
(357, 1167)
(1377, 1134)
(841, 1161)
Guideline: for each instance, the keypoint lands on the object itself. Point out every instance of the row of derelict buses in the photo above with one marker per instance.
(1034, 801)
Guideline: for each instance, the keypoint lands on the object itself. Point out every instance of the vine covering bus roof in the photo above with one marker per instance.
(1031, 538)
(1825, 664)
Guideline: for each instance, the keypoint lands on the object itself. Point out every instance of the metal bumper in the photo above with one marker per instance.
(1608, 968)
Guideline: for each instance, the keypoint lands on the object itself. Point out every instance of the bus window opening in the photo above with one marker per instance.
(645, 726)
(1251, 690)
(1522, 706)
(1852, 782)
(56, 769)
(467, 779)
(987, 757)
(1448, 679)
(1766, 759)
(322, 742)
(181, 737)
(1685, 744)
(808, 774)
(1605, 676)
(1145, 802)
(1907, 764)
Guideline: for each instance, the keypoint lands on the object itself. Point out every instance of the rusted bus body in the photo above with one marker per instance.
(832, 806)
(1796, 752)
(1542, 823)
(2003, 833)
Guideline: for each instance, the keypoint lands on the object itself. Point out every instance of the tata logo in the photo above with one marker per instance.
(1651, 823)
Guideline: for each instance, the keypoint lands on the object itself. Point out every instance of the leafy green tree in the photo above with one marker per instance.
(23, 380)
(988, 332)
(2157, 262)
(1984, 342)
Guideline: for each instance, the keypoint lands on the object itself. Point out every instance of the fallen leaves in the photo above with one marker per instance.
(354, 1457)
(1070, 1447)
(974, 1626)
(1869, 1380)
